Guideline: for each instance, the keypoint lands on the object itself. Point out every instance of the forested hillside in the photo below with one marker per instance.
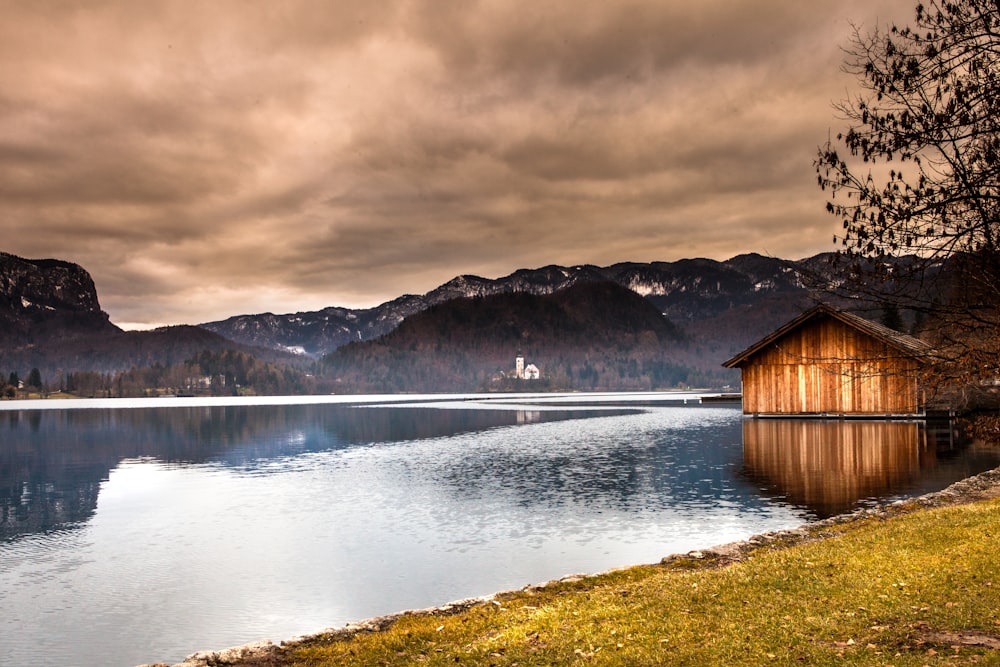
(627, 326)
(588, 336)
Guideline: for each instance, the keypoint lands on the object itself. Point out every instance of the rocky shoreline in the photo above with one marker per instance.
(266, 653)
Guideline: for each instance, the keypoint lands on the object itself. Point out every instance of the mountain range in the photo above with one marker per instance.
(691, 292)
(51, 319)
(704, 312)
(590, 335)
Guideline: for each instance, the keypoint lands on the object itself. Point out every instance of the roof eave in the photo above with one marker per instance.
(855, 322)
(775, 335)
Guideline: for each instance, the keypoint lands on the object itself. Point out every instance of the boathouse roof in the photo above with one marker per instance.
(906, 344)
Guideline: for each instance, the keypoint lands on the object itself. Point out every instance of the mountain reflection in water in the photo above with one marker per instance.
(52, 462)
(143, 534)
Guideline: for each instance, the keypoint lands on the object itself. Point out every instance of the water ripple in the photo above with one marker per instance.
(201, 528)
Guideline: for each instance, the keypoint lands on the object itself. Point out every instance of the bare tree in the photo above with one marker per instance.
(915, 179)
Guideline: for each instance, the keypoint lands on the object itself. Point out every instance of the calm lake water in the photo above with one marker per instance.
(131, 535)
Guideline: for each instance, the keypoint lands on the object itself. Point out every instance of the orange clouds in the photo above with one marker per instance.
(204, 159)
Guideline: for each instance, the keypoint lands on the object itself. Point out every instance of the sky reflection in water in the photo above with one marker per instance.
(140, 535)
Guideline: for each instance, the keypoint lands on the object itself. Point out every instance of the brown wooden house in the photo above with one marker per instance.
(831, 362)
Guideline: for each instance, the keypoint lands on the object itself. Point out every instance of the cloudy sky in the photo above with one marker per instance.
(206, 159)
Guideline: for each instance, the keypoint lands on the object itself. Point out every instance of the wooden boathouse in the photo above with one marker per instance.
(830, 363)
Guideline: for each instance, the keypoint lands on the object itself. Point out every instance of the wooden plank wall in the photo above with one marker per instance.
(828, 367)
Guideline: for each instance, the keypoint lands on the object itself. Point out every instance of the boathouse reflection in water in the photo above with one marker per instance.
(828, 466)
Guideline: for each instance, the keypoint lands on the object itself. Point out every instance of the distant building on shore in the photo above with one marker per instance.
(522, 372)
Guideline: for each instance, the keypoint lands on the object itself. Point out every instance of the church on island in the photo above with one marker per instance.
(522, 372)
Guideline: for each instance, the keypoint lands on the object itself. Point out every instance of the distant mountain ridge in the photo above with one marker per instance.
(589, 335)
(42, 298)
(685, 291)
(51, 319)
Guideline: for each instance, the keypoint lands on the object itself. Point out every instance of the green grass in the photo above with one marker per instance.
(895, 591)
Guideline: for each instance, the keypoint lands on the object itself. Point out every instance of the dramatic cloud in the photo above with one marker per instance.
(203, 159)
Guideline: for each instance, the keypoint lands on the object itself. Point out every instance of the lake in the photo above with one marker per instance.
(142, 531)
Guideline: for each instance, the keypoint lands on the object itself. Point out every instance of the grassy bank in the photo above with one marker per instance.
(916, 587)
